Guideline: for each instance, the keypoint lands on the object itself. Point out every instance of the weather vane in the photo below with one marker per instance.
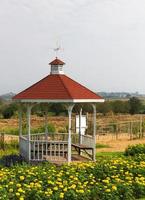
(56, 50)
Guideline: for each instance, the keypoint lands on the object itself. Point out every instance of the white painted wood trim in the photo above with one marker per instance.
(29, 129)
(61, 100)
(94, 131)
(20, 122)
(80, 134)
(69, 132)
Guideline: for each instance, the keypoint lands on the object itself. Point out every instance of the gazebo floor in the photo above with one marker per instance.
(61, 160)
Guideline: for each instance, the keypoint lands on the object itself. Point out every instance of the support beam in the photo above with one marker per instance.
(46, 123)
(94, 131)
(80, 126)
(20, 122)
(69, 131)
(29, 130)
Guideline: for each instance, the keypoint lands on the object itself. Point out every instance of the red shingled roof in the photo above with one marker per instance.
(57, 87)
(56, 62)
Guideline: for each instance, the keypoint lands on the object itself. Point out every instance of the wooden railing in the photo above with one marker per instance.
(24, 147)
(45, 150)
(50, 136)
(53, 146)
(85, 140)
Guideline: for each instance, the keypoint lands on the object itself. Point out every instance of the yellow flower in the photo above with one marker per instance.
(11, 190)
(73, 186)
(21, 198)
(61, 195)
(108, 190)
(18, 185)
(81, 191)
(55, 188)
(65, 189)
(105, 181)
(22, 178)
(114, 187)
(20, 190)
(17, 194)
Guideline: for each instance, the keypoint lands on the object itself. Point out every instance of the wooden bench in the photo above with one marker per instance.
(79, 147)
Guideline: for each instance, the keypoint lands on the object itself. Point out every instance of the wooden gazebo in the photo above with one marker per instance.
(56, 88)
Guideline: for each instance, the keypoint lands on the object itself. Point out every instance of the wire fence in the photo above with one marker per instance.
(117, 130)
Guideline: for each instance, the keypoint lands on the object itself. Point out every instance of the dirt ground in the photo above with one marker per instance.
(117, 145)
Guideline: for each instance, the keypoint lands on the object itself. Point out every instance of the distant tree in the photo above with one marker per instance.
(135, 105)
(104, 108)
(9, 110)
(58, 108)
(119, 106)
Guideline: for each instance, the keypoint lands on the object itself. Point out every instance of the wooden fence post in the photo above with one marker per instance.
(2, 141)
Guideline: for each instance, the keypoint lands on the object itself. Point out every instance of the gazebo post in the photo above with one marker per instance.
(20, 122)
(29, 130)
(94, 131)
(69, 132)
(80, 130)
(46, 123)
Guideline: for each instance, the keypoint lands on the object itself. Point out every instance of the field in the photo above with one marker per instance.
(60, 123)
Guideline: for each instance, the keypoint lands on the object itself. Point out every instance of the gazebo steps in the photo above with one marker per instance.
(55, 159)
(79, 158)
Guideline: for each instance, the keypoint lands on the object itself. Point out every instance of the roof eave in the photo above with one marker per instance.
(60, 100)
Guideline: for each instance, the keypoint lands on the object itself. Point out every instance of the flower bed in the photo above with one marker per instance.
(118, 178)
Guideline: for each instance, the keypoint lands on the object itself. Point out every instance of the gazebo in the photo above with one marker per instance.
(56, 88)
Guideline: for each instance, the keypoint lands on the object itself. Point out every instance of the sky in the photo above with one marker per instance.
(102, 42)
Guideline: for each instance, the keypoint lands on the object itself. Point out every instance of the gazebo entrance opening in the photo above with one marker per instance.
(59, 147)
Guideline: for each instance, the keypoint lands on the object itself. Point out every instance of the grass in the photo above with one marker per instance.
(98, 145)
(109, 154)
(9, 148)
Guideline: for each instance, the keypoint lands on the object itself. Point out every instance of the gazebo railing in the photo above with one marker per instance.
(24, 147)
(45, 150)
(86, 140)
(51, 146)
(50, 136)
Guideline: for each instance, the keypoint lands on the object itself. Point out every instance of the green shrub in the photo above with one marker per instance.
(135, 150)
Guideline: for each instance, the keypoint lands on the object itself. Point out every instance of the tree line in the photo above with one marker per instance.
(133, 106)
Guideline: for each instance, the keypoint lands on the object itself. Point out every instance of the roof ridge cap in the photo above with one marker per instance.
(60, 76)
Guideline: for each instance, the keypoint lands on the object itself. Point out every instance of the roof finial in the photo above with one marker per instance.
(56, 50)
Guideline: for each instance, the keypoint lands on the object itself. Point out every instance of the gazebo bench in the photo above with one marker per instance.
(79, 147)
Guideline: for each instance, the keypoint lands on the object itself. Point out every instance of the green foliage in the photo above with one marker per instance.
(104, 108)
(98, 145)
(41, 129)
(135, 105)
(7, 110)
(113, 178)
(119, 106)
(135, 150)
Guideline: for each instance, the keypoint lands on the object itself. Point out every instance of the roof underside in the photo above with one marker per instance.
(58, 88)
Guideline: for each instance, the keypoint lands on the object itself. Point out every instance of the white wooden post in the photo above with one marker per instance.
(46, 123)
(69, 132)
(80, 127)
(29, 130)
(94, 131)
(20, 122)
